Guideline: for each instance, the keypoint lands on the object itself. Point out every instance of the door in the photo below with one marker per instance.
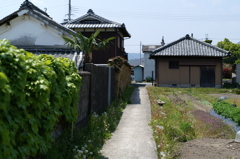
(207, 77)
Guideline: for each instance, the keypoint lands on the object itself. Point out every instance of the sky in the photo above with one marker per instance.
(149, 20)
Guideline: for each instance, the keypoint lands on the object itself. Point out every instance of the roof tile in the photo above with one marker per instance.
(189, 46)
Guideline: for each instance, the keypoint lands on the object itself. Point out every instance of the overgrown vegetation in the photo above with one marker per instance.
(35, 92)
(87, 142)
(178, 121)
(227, 110)
(233, 48)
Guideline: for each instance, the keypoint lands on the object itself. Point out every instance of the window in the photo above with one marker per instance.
(173, 65)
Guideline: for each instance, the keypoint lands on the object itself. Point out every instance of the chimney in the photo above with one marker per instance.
(192, 35)
(162, 43)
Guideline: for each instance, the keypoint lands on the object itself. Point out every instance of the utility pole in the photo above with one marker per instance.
(140, 51)
(69, 11)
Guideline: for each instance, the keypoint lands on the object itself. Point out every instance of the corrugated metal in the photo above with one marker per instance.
(188, 46)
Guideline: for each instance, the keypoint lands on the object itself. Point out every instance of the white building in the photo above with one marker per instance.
(32, 29)
(149, 64)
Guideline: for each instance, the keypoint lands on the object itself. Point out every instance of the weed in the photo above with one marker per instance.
(87, 142)
(176, 122)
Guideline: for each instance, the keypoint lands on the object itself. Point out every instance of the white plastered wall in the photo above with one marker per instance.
(26, 30)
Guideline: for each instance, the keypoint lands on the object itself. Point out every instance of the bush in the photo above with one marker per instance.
(149, 79)
(35, 91)
(227, 73)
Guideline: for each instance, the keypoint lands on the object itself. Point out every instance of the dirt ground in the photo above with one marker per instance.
(207, 148)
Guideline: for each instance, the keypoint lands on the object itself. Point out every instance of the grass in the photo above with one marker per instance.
(177, 121)
(86, 143)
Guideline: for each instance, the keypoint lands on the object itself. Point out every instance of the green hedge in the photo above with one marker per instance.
(227, 110)
(35, 91)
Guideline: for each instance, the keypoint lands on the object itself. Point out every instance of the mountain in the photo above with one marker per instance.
(132, 56)
(135, 62)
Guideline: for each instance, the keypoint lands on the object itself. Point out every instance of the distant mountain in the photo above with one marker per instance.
(135, 62)
(132, 56)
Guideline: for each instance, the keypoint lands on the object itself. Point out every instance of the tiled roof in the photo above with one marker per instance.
(53, 50)
(37, 13)
(92, 20)
(28, 5)
(189, 46)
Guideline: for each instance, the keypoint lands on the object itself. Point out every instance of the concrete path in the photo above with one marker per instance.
(133, 138)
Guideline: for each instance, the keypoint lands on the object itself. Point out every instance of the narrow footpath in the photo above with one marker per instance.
(133, 137)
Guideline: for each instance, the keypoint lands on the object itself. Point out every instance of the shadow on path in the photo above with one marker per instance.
(135, 98)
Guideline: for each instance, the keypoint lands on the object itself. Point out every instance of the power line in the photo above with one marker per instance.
(169, 17)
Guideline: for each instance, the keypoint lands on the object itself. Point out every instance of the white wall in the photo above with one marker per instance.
(149, 66)
(26, 30)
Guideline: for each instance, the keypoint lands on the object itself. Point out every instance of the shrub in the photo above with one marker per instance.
(227, 73)
(35, 91)
(149, 79)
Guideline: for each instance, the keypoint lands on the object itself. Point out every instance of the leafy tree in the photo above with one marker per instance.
(79, 43)
(233, 48)
(208, 41)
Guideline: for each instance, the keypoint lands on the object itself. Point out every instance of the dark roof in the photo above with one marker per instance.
(189, 46)
(92, 20)
(37, 13)
(149, 48)
(56, 51)
(28, 5)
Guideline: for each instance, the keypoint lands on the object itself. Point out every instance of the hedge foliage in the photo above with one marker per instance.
(35, 91)
(227, 110)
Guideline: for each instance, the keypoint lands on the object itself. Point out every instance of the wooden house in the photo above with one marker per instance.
(91, 22)
(188, 62)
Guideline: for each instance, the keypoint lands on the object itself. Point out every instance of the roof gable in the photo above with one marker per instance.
(92, 20)
(32, 10)
(92, 16)
(189, 46)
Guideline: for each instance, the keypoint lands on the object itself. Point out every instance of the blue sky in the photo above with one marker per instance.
(148, 20)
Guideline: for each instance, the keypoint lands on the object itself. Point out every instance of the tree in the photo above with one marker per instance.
(208, 41)
(233, 48)
(79, 43)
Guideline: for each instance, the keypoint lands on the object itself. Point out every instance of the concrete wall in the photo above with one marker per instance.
(149, 66)
(101, 85)
(238, 73)
(83, 104)
(188, 74)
